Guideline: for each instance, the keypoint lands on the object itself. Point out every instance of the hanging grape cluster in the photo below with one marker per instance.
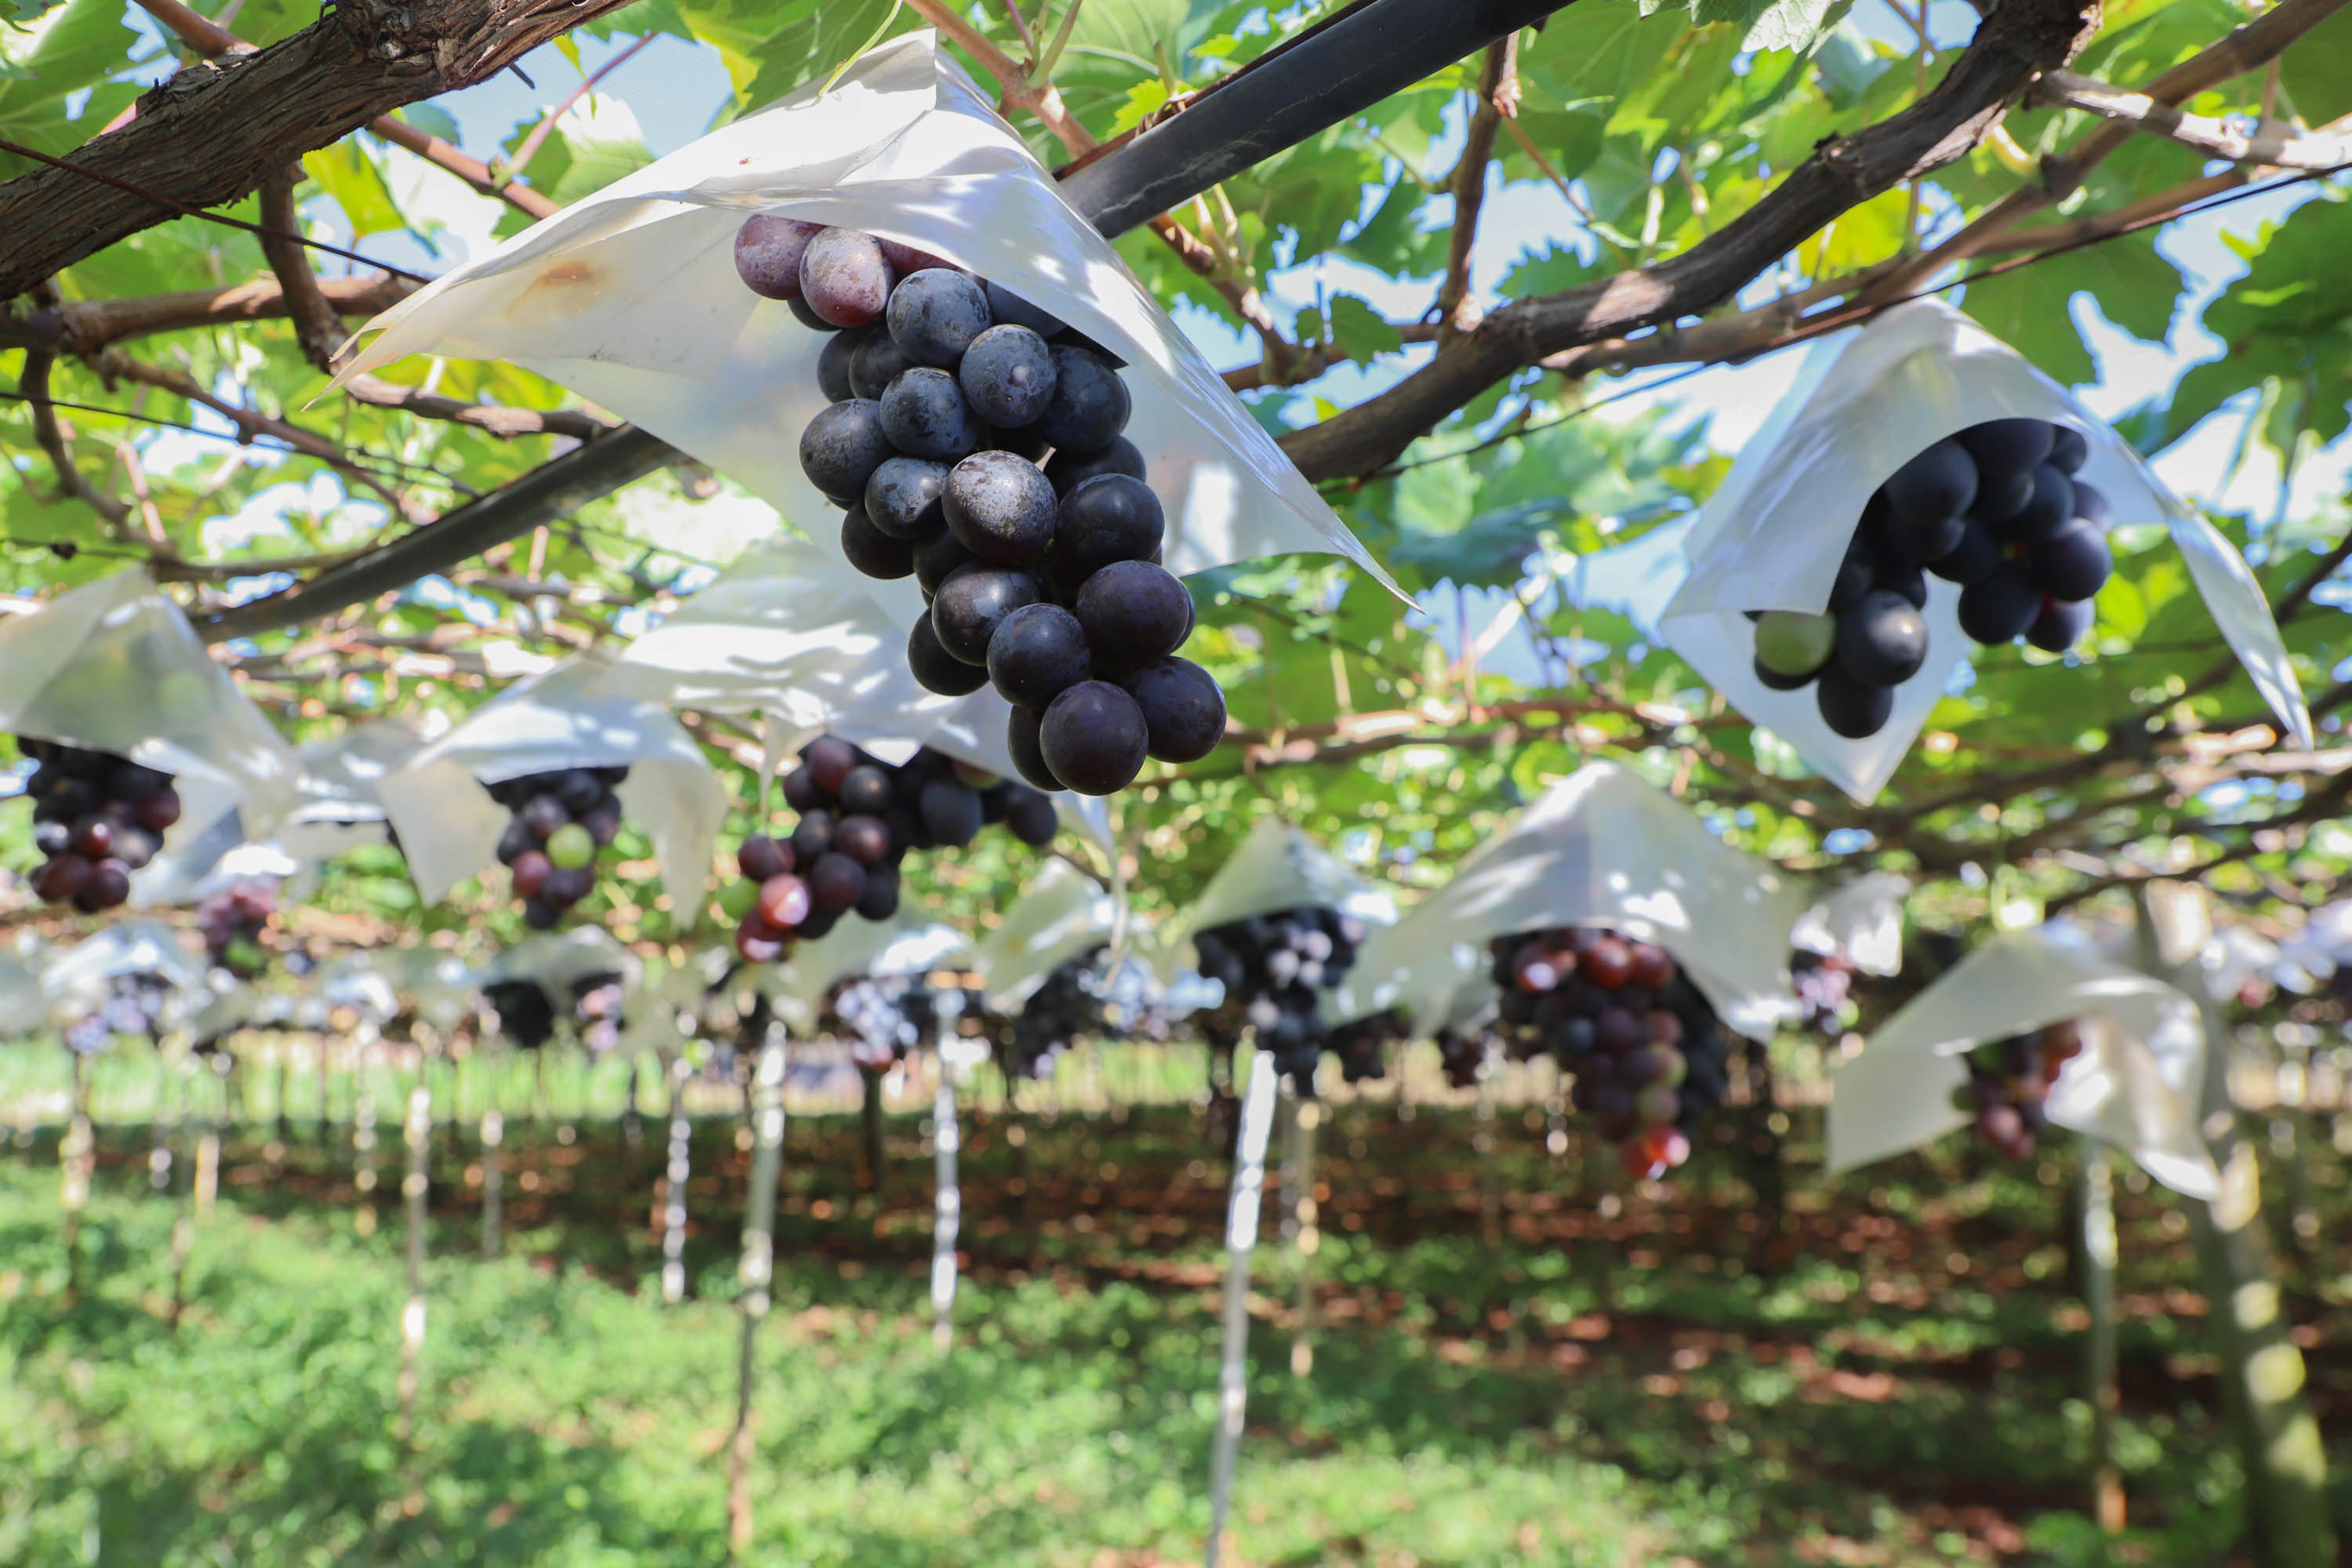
(1640, 1039)
(134, 1005)
(1462, 1054)
(1823, 985)
(858, 816)
(1362, 1045)
(526, 1012)
(973, 441)
(598, 1005)
(883, 1017)
(1068, 1003)
(1272, 966)
(96, 817)
(2010, 1080)
(561, 820)
(1995, 508)
(236, 923)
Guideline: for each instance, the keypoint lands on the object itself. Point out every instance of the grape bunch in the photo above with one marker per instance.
(561, 820)
(134, 1005)
(597, 1006)
(1272, 966)
(1640, 1039)
(1995, 508)
(236, 923)
(1825, 986)
(885, 1016)
(1067, 1005)
(2010, 1078)
(858, 818)
(1462, 1054)
(974, 443)
(96, 817)
(1362, 1043)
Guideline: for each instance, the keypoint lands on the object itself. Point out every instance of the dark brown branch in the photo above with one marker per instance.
(1498, 95)
(2198, 133)
(33, 384)
(216, 130)
(2016, 40)
(87, 326)
(497, 419)
(317, 328)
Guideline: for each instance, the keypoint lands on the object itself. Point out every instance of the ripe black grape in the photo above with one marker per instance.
(2091, 506)
(871, 550)
(1973, 559)
(906, 260)
(1000, 507)
(845, 281)
(923, 415)
(1907, 582)
(2008, 446)
(2068, 449)
(2053, 504)
(1774, 680)
(2071, 564)
(1090, 402)
(841, 448)
(1882, 640)
(1008, 375)
(902, 497)
(937, 558)
(835, 881)
(1022, 739)
(833, 365)
(879, 899)
(865, 789)
(1134, 612)
(1004, 305)
(1109, 518)
(2061, 624)
(936, 669)
(2001, 606)
(1931, 488)
(1094, 738)
(1183, 710)
(875, 360)
(935, 315)
(768, 252)
(1038, 652)
(951, 812)
(1849, 705)
(2001, 495)
(1032, 818)
(973, 600)
(1070, 469)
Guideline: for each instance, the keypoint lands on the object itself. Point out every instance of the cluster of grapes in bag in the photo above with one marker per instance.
(134, 1005)
(235, 923)
(1642, 1041)
(975, 443)
(1462, 1054)
(1068, 1003)
(883, 1016)
(1272, 966)
(526, 1013)
(1995, 508)
(96, 817)
(2010, 1080)
(1824, 985)
(858, 818)
(560, 819)
(1362, 1045)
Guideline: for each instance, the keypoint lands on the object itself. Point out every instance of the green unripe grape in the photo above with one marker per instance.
(244, 953)
(1677, 1067)
(1659, 1104)
(1964, 1098)
(570, 847)
(1789, 643)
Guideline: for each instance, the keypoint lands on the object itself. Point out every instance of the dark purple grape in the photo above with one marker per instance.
(2000, 605)
(807, 317)
(760, 858)
(1914, 539)
(906, 260)
(830, 760)
(517, 838)
(1936, 486)
(865, 788)
(131, 783)
(925, 415)
(2071, 564)
(902, 497)
(580, 790)
(2068, 449)
(1854, 572)
(1090, 402)
(1109, 518)
(1134, 612)
(835, 881)
(1775, 680)
(1026, 442)
(1068, 470)
(1094, 738)
(971, 602)
(1852, 707)
(950, 812)
(2053, 504)
(1975, 557)
(1076, 339)
(801, 790)
(1183, 710)
(1021, 738)
(2091, 506)
(1882, 640)
(1007, 374)
(864, 838)
(833, 374)
(879, 901)
(841, 448)
(936, 669)
(55, 838)
(1032, 819)
(1908, 581)
(2061, 624)
(813, 838)
(935, 315)
(871, 550)
(1000, 507)
(2008, 446)
(543, 814)
(538, 915)
(844, 279)
(1038, 652)
(876, 364)
(768, 252)
(1004, 305)
(2001, 495)
(937, 559)
(566, 886)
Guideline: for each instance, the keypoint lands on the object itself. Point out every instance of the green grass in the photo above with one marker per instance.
(1648, 1397)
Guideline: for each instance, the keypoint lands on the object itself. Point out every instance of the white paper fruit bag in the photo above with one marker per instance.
(114, 665)
(1062, 914)
(631, 298)
(1600, 847)
(1859, 921)
(876, 948)
(1775, 533)
(79, 981)
(2135, 1085)
(449, 825)
(1277, 867)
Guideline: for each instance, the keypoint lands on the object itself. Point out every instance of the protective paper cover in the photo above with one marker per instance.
(1772, 535)
(449, 825)
(1859, 921)
(631, 298)
(1600, 847)
(2135, 1086)
(77, 980)
(1062, 914)
(1277, 866)
(114, 665)
(854, 947)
